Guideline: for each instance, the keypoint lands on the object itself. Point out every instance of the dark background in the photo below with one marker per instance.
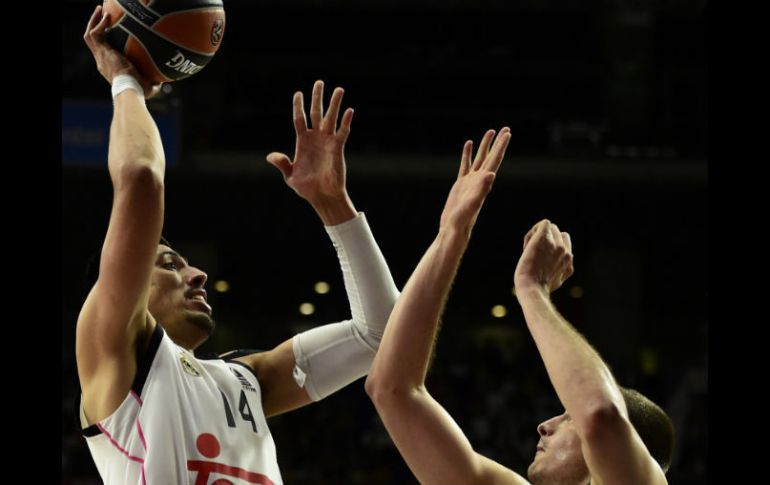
(608, 106)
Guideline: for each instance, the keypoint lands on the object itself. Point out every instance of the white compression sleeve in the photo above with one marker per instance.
(332, 356)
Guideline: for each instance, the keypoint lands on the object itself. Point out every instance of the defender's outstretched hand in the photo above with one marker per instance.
(474, 181)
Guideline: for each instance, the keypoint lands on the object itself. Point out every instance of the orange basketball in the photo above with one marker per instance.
(166, 40)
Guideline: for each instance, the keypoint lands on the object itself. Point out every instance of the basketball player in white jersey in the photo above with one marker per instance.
(607, 436)
(152, 412)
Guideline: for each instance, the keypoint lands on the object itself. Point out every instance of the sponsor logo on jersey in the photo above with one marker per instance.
(208, 446)
(244, 382)
(188, 366)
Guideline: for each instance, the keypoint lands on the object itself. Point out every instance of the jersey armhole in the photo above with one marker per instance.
(143, 364)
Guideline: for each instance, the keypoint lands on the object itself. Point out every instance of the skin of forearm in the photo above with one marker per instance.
(409, 336)
(336, 210)
(580, 377)
(134, 138)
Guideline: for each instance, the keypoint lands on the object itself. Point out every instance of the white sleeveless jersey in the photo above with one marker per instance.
(185, 421)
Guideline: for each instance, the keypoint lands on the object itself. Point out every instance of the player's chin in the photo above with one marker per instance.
(201, 320)
(534, 473)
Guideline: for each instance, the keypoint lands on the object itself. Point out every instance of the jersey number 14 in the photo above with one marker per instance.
(243, 408)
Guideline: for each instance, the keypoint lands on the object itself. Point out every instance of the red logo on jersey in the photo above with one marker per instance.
(208, 446)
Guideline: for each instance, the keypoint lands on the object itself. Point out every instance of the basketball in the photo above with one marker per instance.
(167, 40)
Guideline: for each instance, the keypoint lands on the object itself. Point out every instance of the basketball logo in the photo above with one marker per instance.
(217, 30)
